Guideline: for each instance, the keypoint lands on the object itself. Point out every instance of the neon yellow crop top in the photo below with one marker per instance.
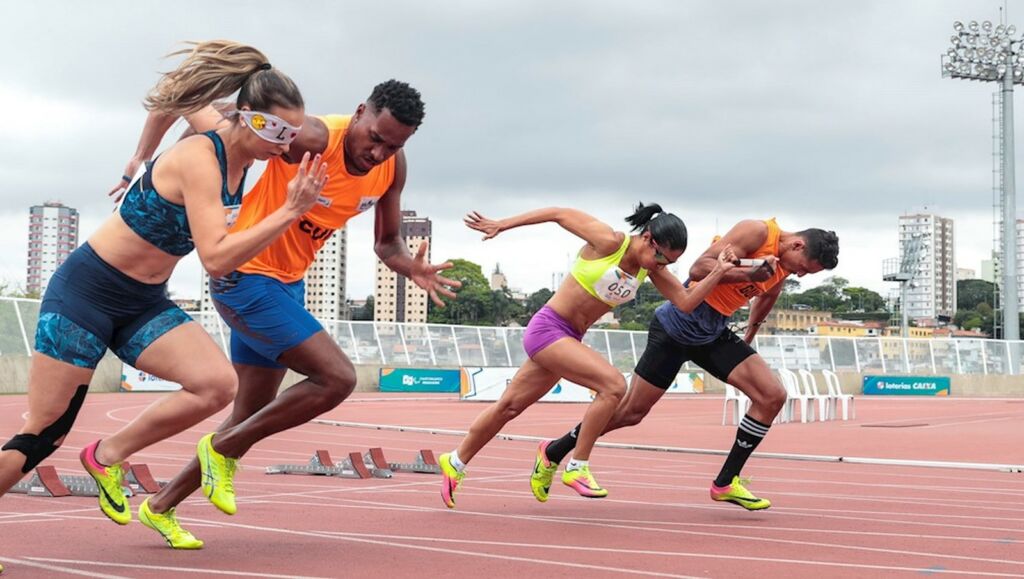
(603, 279)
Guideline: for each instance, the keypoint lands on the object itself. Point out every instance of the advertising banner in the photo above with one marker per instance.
(419, 380)
(134, 380)
(488, 384)
(687, 383)
(907, 385)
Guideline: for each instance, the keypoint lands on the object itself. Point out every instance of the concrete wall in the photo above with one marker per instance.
(14, 376)
(14, 379)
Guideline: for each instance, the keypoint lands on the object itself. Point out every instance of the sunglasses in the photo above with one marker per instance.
(658, 255)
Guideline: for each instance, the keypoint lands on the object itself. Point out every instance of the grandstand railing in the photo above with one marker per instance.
(402, 344)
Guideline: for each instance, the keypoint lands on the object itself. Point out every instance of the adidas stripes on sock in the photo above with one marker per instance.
(748, 436)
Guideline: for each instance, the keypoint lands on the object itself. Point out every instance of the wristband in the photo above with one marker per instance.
(126, 178)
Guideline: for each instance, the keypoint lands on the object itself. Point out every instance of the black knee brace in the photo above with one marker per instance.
(36, 447)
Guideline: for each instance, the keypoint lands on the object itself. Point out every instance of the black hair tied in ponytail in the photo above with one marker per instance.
(666, 229)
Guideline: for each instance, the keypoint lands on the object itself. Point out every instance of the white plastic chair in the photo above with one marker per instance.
(832, 381)
(732, 394)
(792, 385)
(825, 401)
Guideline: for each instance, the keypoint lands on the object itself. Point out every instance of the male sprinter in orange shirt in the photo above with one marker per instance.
(263, 301)
(703, 337)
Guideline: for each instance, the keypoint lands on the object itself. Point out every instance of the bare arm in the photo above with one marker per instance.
(760, 307)
(596, 233)
(744, 238)
(391, 248)
(222, 252)
(388, 243)
(157, 125)
(153, 131)
(688, 298)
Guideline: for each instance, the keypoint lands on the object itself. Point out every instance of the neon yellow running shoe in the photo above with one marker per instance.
(738, 494)
(218, 475)
(543, 471)
(581, 481)
(110, 483)
(167, 525)
(451, 479)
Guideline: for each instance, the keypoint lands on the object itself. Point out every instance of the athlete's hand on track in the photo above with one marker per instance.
(305, 187)
(122, 186)
(489, 227)
(425, 275)
(766, 271)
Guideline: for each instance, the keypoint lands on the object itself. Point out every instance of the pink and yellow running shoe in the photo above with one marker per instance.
(451, 478)
(738, 494)
(543, 472)
(109, 483)
(584, 483)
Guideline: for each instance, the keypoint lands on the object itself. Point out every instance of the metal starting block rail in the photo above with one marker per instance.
(322, 464)
(370, 464)
(46, 482)
(424, 462)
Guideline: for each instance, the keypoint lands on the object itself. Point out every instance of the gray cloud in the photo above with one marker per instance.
(832, 113)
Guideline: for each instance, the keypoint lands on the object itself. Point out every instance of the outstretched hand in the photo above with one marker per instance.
(305, 187)
(488, 227)
(425, 275)
(126, 180)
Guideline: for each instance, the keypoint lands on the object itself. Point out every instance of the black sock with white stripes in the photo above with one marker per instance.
(560, 447)
(748, 436)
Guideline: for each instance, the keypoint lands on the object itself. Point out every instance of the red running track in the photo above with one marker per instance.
(829, 519)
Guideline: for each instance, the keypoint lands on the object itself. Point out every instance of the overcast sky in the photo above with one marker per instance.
(823, 114)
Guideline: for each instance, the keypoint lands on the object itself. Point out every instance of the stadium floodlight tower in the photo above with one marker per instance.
(904, 270)
(988, 53)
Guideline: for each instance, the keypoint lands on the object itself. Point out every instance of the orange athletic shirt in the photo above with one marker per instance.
(726, 298)
(289, 256)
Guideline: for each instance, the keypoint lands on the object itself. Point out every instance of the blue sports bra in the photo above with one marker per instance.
(165, 224)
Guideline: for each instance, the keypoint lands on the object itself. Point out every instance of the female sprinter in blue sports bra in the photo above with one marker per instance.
(607, 273)
(112, 291)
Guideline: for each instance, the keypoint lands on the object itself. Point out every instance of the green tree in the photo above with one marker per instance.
(365, 312)
(534, 302)
(790, 288)
(860, 299)
(475, 299)
(971, 292)
(504, 308)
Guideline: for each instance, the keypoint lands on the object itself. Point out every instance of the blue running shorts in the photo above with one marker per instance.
(267, 316)
(90, 306)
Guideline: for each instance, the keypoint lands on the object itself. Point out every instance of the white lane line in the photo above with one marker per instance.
(147, 567)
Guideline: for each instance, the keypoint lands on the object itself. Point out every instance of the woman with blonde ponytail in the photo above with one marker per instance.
(112, 291)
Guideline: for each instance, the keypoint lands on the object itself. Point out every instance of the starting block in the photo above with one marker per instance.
(322, 464)
(140, 479)
(424, 462)
(374, 461)
(45, 482)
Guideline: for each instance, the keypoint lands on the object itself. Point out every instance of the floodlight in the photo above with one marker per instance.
(989, 53)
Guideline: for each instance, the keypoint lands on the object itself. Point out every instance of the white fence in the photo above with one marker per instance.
(453, 346)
